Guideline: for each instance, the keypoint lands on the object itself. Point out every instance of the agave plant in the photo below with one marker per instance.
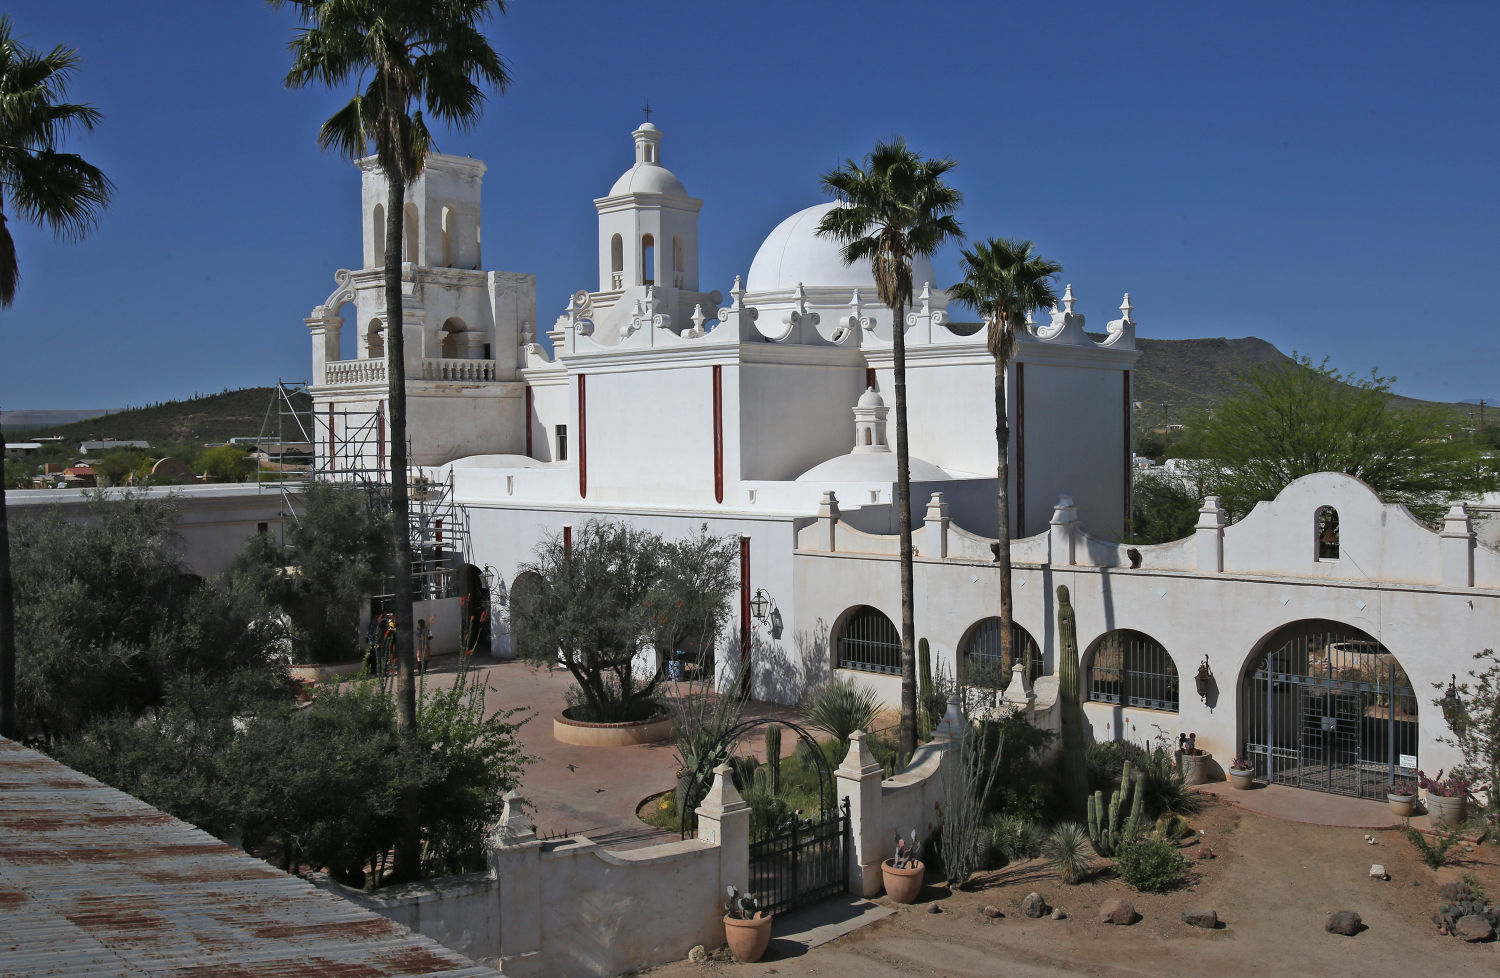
(842, 707)
(1068, 850)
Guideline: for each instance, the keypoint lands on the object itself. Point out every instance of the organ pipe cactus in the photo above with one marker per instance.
(773, 757)
(925, 721)
(1106, 830)
(1070, 700)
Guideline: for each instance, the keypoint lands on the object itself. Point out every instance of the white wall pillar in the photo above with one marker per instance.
(828, 520)
(935, 527)
(724, 820)
(515, 855)
(325, 343)
(858, 779)
(1458, 547)
(1210, 536)
(1062, 531)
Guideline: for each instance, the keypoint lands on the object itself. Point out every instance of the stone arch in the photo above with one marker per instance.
(526, 582)
(474, 606)
(450, 217)
(411, 229)
(648, 260)
(374, 339)
(979, 651)
(865, 639)
(454, 344)
(1326, 533)
(1325, 705)
(678, 260)
(1130, 668)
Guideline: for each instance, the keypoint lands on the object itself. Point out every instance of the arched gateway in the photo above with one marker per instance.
(1325, 706)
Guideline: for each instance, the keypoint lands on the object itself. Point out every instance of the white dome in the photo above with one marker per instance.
(648, 178)
(871, 467)
(795, 253)
(871, 399)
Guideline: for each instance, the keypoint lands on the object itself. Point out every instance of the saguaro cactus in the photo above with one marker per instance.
(1070, 700)
(773, 756)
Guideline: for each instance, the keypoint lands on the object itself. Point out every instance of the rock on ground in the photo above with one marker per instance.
(1344, 922)
(1473, 928)
(1057, 914)
(1208, 919)
(1034, 905)
(993, 911)
(1117, 910)
(698, 955)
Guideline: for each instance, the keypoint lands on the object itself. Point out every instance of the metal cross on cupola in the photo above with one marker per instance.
(647, 109)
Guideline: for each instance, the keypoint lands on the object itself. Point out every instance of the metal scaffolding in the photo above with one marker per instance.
(299, 445)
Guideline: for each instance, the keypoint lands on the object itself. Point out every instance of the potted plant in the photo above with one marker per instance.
(747, 928)
(1445, 798)
(1190, 760)
(1401, 795)
(1241, 773)
(903, 872)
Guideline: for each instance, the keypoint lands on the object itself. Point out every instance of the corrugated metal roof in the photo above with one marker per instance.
(95, 882)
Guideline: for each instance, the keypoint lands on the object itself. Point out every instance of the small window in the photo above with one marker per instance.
(412, 228)
(377, 234)
(648, 260)
(869, 642)
(262, 528)
(448, 221)
(1132, 669)
(1327, 521)
(562, 443)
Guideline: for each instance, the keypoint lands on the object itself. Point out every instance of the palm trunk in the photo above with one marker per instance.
(903, 516)
(9, 720)
(1002, 527)
(409, 838)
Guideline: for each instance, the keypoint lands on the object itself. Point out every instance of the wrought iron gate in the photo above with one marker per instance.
(804, 860)
(1329, 708)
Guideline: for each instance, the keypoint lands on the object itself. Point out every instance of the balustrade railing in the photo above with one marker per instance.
(370, 371)
(473, 371)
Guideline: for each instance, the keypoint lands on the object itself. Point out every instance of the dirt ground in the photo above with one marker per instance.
(1272, 884)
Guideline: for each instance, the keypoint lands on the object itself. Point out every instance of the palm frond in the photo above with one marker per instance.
(10, 269)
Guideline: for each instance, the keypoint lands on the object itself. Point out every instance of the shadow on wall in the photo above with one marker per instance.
(785, 674)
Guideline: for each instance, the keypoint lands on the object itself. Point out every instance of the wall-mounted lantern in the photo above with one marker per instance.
(1204, 680)
(1452, 704)
(764, 610)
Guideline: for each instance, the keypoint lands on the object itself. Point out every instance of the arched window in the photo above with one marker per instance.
(377, 234)
(869, 642)
(455, 344)
(448, 230)
(1327, 522)
(1132, 669)
(411, 228)
(617, 262)
(983, 663)
(524, 593)
(375, 339)
(648, 260)
(677, 260)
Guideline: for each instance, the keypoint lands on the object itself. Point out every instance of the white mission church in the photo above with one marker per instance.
(762, 412)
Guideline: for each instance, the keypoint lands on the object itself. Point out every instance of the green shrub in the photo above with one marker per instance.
(1022, 784)
(1068, 851)
(1151, 864)
(1165, 791)
(1014, 838)
(1435, 854)
(842, 707)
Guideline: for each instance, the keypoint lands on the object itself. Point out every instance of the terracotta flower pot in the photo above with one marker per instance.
(1446, 812)
(1243, 780)
(903, 885)
(748, 939)
(1402, 806)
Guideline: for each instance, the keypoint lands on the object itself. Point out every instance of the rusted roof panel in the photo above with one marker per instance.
(95, 882)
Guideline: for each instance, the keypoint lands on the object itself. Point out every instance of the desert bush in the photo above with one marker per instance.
(1475, 723)
(1068, 851)
(1438, 852)
(842, 707)
(1014, 838)
(1104, 760)
(969, 771)
(1151, 864)
(1165, 790)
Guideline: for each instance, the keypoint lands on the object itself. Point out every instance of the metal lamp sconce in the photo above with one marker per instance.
(764, 610)
(1453, 706)
(1204, 680)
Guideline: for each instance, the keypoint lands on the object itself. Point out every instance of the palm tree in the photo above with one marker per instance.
(896, 207)
(409, 55)
(1003, 281)
(50, 189)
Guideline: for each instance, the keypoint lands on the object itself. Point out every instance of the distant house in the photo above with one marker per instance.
(100, 447)
(22, 449)
(80, 475)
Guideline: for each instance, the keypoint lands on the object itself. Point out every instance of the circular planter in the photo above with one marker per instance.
(1243, 780)
(319, 672)
(903, 885)
(580, 734)
(1445, 812)
(1402, 806)
(747, 939)
(1194, 767)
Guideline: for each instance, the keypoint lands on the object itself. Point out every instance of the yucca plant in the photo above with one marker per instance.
(842, 707)
(1069, 852)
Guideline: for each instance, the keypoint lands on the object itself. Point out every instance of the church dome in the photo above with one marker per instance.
(648, 176)
(794, 253)
(870, 399)
(871, 467)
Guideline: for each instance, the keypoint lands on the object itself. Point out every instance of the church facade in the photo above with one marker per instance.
(763, 413)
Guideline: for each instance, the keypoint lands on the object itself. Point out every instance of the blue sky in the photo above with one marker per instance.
(1320, 175)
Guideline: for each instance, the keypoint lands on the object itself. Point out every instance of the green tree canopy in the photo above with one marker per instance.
(618, 593)
(1296, 418)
